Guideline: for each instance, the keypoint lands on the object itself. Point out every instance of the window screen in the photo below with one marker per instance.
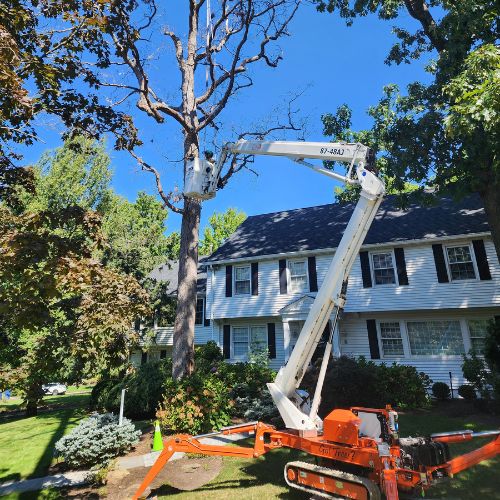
(435, 338)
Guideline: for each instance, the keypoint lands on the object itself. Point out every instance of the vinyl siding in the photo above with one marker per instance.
(165, 335)
(423, 292)
(276, 363)
(354, 341)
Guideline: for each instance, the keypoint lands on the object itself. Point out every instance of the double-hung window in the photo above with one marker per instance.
(199, 311)
(383, 268)
(248, 339)
(428, 338)
(242, 280)
(478, 329)
(294, 327)
(298, 275)
(460, 263)
(390, 338)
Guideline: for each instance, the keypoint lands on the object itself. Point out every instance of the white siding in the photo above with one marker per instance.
(202, 334)
(423, 291)
(354, 342)
(276, 363)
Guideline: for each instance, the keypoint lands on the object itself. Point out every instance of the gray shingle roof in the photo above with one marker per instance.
(168, 272)
(315, 228)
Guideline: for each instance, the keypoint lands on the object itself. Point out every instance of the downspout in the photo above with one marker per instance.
(212, 302)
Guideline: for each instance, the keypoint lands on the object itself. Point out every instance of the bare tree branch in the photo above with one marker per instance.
(168, 198)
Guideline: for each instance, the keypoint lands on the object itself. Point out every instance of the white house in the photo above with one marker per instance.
(425, 284)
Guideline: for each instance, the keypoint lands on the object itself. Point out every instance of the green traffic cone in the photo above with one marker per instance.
(157, 440)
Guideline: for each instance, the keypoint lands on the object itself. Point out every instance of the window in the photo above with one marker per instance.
(390, 336)
(383, 268)
(248, 340)
(295, 327)
(242, 280)
(258, 339)
(460, 263)
(298, 275)
(478, 328)
(435, 338)
(199, 312)
(240, 342)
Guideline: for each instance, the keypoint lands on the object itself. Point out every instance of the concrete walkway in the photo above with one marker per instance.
(74, 478)
(77, 478)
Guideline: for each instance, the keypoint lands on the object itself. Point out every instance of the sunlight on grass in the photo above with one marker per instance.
(26, 444)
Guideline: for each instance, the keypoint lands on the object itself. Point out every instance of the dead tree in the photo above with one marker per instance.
(221, 43)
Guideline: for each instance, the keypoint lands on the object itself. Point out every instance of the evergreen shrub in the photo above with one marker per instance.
(96, 440)
(441, 391)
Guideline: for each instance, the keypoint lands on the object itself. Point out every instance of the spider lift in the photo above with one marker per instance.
(359, 450)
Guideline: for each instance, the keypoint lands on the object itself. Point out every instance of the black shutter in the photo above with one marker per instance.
(371, 326)
(229, 281)
(255, 278)
(163, 354)
(271, 340)
(226, 342)
(399, 253)
(441, 271)
(313, 277)
(365, 269)
(481, 260)
(283, 286)
(144, 358)
(206, 321)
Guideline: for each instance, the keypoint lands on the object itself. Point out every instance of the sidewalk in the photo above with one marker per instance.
(77, 478)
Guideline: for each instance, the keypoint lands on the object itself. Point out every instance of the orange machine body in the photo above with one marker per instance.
(341, 444)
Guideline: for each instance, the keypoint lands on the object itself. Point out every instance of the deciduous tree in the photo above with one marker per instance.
(221, 226)
(444, 134)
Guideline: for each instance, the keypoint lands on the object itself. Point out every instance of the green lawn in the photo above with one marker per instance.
(26, 444)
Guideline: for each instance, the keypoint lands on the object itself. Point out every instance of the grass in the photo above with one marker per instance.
(16, 403)
(26, 444)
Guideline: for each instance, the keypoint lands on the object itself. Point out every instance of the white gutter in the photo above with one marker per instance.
(322, 251)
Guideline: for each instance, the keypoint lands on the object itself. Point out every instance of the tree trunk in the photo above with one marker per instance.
(33, 396)
(491, 199)
(183, 350)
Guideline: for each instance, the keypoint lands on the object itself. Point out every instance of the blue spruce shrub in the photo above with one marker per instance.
(96, 441)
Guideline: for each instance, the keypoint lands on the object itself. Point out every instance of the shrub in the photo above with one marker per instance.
(96, 441)
(358, 382)
(441, 391)
(145, 387)
(475, 371)
(467, 392)
(207, 356)
(253, 408)
(195, 404)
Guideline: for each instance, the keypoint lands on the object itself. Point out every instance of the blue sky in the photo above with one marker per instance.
(334, 63)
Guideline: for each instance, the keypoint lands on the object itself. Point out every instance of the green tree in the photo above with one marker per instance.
(63, 315)
(444, 134)
(76, 174)
(221, 226)
(43, 70)
(136, 234)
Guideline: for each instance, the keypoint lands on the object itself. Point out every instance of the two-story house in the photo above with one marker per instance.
(425, 284)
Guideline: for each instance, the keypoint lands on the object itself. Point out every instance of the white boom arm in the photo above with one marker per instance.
(332, 292)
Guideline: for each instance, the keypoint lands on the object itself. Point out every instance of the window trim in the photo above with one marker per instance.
(249, 266)
(307, 285)
(434, 356)
(248, 328)
(202, 311)
(473, 259)
(404, 340)
(372, 268)
(464, 329)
